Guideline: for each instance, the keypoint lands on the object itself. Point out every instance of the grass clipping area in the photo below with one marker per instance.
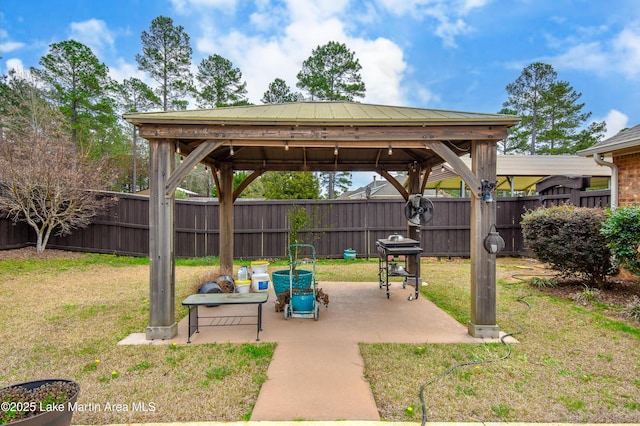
(572, 364)
(63, 318)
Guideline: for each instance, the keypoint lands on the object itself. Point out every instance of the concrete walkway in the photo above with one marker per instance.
(317, 372)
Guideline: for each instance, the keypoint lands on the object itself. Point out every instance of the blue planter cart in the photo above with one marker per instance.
(302, 303)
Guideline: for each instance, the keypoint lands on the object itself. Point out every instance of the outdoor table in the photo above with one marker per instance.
(196, 300)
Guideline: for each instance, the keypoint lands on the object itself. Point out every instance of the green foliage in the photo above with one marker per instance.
(622, 231)
(79, 83)
(302, 224)
(332, 73)
(254, 190)
(298, 220)
(166, 56)
(514, 142)
(335, 183)
(220, 83)
(290, 186)
(551, 116)
(587, 296)
(279, 93)
(543, 282)
(569, 239)
(632, 309)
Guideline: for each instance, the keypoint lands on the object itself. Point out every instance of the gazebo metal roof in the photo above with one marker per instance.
(322, 136)
(331, 113)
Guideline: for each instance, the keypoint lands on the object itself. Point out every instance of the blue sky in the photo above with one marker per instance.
(455, 55)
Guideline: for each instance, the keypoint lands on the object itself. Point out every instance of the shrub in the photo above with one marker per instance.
(632, 309)
(569, 239)
(621, 228)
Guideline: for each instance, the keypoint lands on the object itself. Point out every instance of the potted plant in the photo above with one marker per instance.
(39, 403)
(299, 220)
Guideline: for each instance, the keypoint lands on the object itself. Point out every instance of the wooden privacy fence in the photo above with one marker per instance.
(261, 227)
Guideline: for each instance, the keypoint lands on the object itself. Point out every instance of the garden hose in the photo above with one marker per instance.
(521, 329)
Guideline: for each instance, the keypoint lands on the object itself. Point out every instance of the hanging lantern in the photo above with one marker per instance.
(493, 243)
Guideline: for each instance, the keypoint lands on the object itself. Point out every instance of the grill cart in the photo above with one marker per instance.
(395, 253)
(302, 303)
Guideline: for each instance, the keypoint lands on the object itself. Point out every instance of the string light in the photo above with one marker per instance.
(335, 151)
(231, 151)
(286, 146)
(390, 149)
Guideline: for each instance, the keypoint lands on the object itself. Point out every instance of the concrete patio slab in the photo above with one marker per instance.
(317, 372)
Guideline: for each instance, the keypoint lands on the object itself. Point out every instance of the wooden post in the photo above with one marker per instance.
(162, 323)
(413, 232)
(483, 264)
(225, 197)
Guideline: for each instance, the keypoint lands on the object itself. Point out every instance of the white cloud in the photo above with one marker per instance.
(306, 25)
(383, 68)
(187, 6)
(315, 10)
(616, 121)
(8, 45)
(587, 56)
(14, 64)
(448, 14)
(617, 55)
(93, 33)
(627, 49)
(124, 70)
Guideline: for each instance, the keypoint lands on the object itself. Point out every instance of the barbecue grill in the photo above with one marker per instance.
(395, 254)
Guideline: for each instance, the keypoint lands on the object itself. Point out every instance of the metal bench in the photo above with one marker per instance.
(196, 300)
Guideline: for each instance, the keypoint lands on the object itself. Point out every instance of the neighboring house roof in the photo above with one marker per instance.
(524, 171)
(625, 141)
(379, 188)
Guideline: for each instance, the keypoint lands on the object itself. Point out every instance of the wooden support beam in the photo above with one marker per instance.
(313, 136)
(253, 176)
(162, 324)
(225, 197)
(393, 181)
(413, 232)
(483, 264)
(195, 157)
(458, 166)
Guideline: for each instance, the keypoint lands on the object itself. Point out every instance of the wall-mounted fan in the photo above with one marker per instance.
(418, 210)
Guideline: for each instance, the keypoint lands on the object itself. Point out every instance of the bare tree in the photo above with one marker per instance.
(39, 181)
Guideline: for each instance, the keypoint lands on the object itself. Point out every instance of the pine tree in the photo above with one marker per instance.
(78, 83)
(526, 97)
(279, 93)
(166, 56)
(135, 95)
(220, 83)
(332, 73)
(552, 116)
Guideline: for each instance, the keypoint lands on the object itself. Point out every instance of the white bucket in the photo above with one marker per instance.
(259, 267)
(243, 286)
(260, 282)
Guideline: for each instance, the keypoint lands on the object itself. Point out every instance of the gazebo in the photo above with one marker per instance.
(318, 136)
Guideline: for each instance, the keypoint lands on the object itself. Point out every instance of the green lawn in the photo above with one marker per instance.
(63, 317)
